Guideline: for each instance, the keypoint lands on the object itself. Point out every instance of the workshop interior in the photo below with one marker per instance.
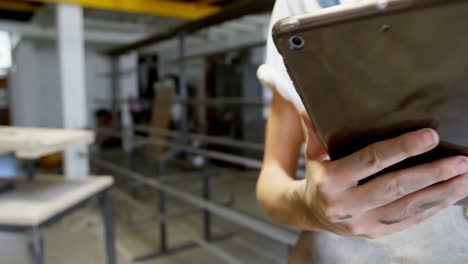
(133, 132)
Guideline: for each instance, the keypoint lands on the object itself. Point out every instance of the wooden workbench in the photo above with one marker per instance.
(32, 203)
(35, 204)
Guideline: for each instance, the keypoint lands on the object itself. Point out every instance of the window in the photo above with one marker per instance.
(5, 51)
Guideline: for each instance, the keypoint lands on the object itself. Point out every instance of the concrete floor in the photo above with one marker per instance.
(79, 237)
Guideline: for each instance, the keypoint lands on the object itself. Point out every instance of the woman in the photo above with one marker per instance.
(400, 217)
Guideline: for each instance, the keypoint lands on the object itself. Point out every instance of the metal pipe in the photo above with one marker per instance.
(261, 227)
(216, 155)
(206, 194)
(223, 101)
(162, 211)
(200, 102)
(183, 88)
(115, 89)
(217, 251)
(166, 218)
(108, 218)
(36, 246)
(207, 139)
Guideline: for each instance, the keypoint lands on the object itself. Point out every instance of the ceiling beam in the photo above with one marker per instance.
(92, 36)
(166, 8)
(235, 11)
(241, 26)
(19, 6)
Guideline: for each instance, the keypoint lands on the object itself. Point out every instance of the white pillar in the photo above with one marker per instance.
(70, 45)
(128, 84)
(24, 87)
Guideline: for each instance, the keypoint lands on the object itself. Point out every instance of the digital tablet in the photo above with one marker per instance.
(376, 70)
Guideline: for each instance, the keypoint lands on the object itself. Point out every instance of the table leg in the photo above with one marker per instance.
(107, 210)
(31, 169)
(162, 209)
(36, 246)
(207, 196)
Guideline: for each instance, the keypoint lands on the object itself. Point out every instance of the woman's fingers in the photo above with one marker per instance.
(410, 210)
(395, 185)
(376, 157)
(384, 230)
(442, 194)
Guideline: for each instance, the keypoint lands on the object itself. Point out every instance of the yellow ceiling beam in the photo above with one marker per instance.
(167, 8)
(19, 6)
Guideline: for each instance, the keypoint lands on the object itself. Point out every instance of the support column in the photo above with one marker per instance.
(128, 84)
(70, 44)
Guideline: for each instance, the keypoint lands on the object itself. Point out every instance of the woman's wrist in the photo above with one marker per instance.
(284, 199)
(301, 214)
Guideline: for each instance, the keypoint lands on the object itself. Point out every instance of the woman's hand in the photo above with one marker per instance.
(332, 200)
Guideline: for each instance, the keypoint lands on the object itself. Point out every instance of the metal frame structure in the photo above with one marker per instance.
(261, 227)
(179, 140)
(236, 10)
(221, 141)
(163, 188)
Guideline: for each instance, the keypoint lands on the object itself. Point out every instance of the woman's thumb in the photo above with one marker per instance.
(315, 150)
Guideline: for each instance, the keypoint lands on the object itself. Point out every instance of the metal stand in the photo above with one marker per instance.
(107, 211)
(267, 229)
(162, 205)
(165, 250)
(162, 210)
(206, 214)
(36, 246)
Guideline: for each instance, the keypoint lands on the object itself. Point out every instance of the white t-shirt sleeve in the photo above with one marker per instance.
(273, 73)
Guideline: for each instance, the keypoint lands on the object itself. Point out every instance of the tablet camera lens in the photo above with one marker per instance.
(296, 43)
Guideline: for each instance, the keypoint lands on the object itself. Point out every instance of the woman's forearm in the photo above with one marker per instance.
(277, 190)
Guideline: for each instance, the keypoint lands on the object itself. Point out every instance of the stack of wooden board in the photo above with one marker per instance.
(33, 143)
(161, 114)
